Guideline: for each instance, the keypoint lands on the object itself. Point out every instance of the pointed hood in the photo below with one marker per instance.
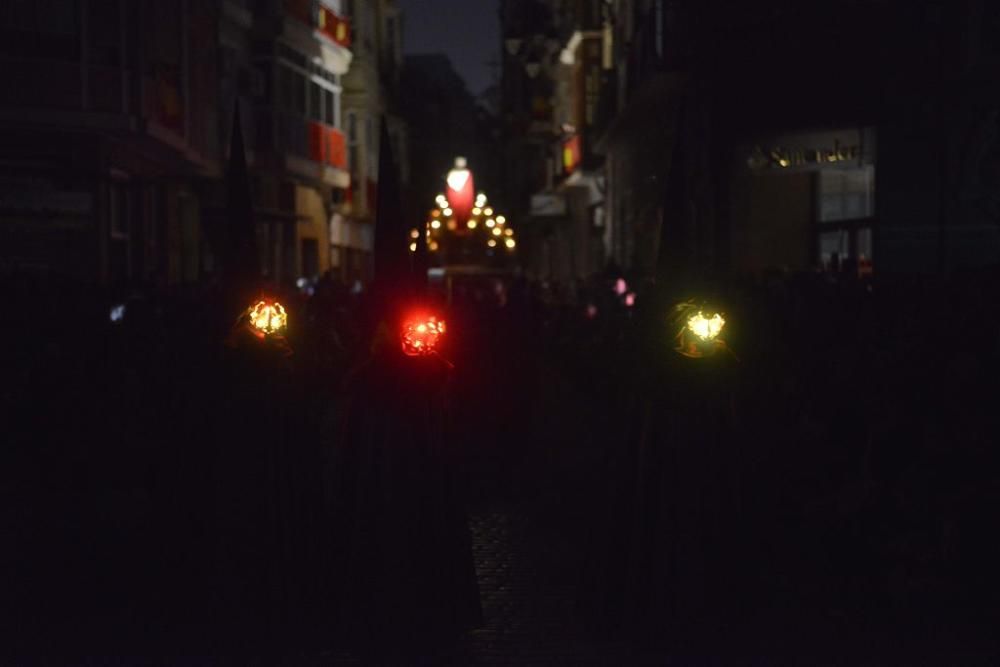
(397, 269)
(240, 261)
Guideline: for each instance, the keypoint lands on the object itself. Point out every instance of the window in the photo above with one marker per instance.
(354, 159)
(846, 194)
(371, 148)
(833, 248)
(329, 108)
(40, 29)
(315, 102)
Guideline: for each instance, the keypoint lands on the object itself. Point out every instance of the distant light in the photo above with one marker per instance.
(457, 178)
(510, 243)
(508, 231)
(471, 224)
(452, 224)
(630, 299)
(117, 312)
(436, 213)
(434, 246)
(491, 243)
(421, 334)
(448, 212)
(490, 222)
(413, 247)
(621, 286)
(488, 211)
(435, 224)
(301, 282)
(414, 234)
(497, 231)
(591, 311)
(706, 328)
(476, 210)
(268, 318)
(501, 220)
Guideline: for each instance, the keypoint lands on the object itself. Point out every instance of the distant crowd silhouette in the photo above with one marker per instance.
(168, 486)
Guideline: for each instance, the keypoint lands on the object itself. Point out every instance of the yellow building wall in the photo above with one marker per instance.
(310, 209)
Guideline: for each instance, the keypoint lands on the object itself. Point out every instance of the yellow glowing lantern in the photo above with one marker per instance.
(488, 211)
(706, 328)
(435, 224)
(491, 243)
(497, 231)
(268, 317)
(471, 224)
(448, 212)
(452, 224)
(413, 247)
(699, 330)
(501, 220)
(508, 231)
(510, 243)
(476, 210)
(490, 222)
(414, 234)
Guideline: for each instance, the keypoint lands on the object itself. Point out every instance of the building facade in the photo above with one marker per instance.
(108, 133)
(744, 138)
(118, 118)
(369, 96)
(554, 60)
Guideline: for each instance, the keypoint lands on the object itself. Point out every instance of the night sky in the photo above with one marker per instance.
(466, 30)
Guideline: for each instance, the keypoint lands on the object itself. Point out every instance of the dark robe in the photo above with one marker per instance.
(666, 561)
(406, 579)
(266, 494)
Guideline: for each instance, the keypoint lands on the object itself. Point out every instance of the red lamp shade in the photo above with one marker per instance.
(461, 191)
(421, 335)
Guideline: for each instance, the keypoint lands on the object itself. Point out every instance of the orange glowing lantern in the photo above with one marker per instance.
(421, 335)
(268, 318)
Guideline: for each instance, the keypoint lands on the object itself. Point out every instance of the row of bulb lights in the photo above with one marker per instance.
(482, 214)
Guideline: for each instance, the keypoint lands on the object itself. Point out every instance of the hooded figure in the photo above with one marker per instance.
(256, 458)
(663, 564)
(405, 577)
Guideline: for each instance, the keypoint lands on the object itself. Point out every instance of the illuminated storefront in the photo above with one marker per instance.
(805, 200)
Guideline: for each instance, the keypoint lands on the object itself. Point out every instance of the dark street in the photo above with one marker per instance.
(512, 332)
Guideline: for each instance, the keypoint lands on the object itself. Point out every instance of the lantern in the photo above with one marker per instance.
(698, 329)
(421, 335)
(461, 192)
(268, 318)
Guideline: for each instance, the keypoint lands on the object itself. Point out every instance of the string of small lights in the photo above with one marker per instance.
(483, 222)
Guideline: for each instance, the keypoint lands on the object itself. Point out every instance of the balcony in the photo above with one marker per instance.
(314, 149)
(324, 20)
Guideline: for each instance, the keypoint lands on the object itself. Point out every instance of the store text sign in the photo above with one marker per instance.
(780, 157)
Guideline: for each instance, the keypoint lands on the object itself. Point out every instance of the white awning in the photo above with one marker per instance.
(548, 204)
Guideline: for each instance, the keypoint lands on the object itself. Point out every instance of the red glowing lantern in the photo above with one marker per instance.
(421, 336)
(461, 193)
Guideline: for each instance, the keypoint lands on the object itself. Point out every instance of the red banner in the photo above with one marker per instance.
(335, 27)
(317, 142)
(336, 148)
(571, 154)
